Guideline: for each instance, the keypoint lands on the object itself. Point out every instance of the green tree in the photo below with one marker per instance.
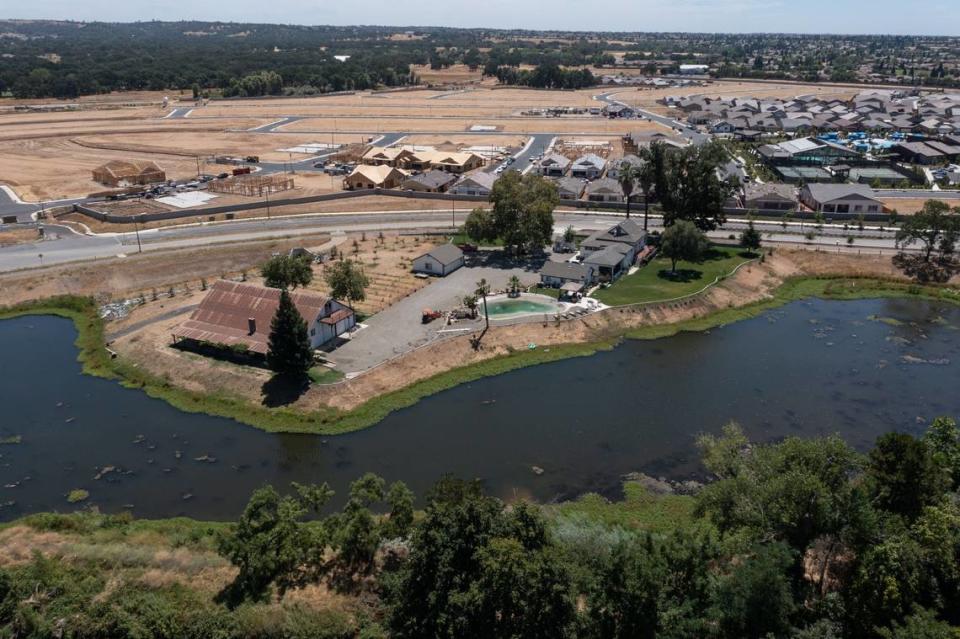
(476, 569)
(288, 346)
(903, 475)
(626, 597)
(683, 241)
(357, 535)
(347, 281)
(287, 271)
(479, 226)
(923, 624)
(271, 544)
(653, 170)
(627, 178)
(755, 600)
(482, 290)
(568, 235)
(522, 210)
(400, 520)
(750, 238)
(937, 230)
(691, 189)
(943, 440)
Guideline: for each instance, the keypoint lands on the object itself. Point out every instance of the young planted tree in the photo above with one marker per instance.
(347, 281)
(683, 241)
(514, 284)
(568, 235)
(288, 349)
(750, 238)
(287, 271)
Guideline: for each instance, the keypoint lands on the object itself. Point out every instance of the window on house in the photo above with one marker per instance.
(313, 332)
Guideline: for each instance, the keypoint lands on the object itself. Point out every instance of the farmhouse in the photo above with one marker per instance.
(840, 198)
(441, 260)
(769, 197)
(612, 251)
(430, 182)
(367, 176)
(236, 314)
(128, 172)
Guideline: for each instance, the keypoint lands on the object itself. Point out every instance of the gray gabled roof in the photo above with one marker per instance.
(445, 253)
(609, 256)
(566, 270)
(569, 185)
(590, 159)
(826, 192)
(432, 179)
(605, 185)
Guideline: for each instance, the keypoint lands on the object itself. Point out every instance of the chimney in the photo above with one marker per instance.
(251, 325)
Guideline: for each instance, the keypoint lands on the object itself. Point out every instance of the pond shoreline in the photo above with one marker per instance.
(97, 360)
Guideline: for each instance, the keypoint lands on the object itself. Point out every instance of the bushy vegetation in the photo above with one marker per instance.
(802, 538)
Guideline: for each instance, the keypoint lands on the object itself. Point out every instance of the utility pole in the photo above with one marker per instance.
(453, 215)
(198, 165)
(136, 228)
(267, 194)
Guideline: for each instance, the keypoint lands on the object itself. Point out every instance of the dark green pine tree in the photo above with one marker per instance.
(288, 348)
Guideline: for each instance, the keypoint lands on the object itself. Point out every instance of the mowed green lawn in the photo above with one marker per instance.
(654, 282)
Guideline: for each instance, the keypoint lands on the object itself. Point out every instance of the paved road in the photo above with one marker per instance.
(63, 245)
(537, 145)
(691, 134)
(178, 113)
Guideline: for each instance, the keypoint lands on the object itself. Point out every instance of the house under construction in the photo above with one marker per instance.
(252, 185)
(128, 172)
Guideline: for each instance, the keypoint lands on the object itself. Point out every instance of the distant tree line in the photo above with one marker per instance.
(546, 76)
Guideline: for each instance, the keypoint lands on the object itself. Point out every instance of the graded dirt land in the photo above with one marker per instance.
(50, 155)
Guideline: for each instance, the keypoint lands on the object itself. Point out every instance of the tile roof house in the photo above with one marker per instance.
(614, 165)
(240, 314)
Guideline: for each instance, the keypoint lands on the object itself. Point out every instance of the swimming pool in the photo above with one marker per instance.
(501, 307)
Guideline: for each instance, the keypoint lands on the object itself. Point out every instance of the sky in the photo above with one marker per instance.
(925, 17)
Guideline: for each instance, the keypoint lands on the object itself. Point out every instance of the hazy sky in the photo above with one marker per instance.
(934, 17)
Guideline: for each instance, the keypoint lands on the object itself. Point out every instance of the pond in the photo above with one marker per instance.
(810, 368)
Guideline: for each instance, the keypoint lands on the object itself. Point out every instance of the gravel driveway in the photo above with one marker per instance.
(397, 329)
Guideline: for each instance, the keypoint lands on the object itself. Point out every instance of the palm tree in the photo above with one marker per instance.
(653, 157)
(627, 178)
(514, 285)
(482, 290)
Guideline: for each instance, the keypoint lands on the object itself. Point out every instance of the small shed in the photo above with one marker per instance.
(440, 260)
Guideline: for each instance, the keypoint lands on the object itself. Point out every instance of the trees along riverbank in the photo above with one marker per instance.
(803, 538)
